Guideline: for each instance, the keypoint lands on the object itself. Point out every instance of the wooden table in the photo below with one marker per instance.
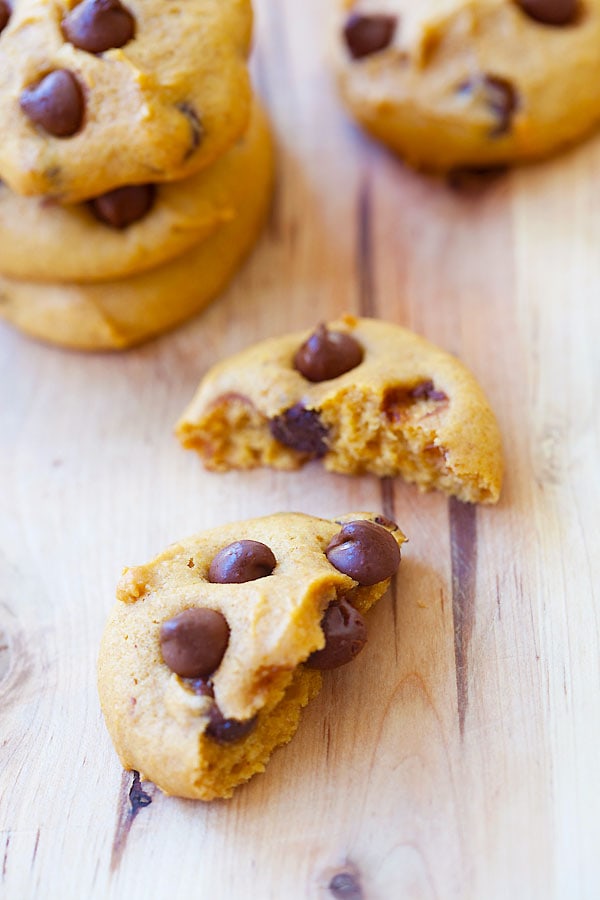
(459, 757)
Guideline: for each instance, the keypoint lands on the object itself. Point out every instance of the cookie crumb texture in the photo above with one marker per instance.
(89, 90)
(407, 408)
(469, 83)
(202, 734)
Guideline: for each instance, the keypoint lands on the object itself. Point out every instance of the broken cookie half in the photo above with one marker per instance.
(216, 645)
(362, 395)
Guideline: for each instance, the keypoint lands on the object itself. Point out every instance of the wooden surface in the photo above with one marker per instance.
(458, 757)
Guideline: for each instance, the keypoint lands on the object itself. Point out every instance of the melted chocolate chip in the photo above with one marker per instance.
(194, 642)
(386, 523)
(551, 12)
(227, 731)
(365, 35)
(426, 390)
(125, 205)
(5, 12)
(55, 103)
(328, 354)
(345, 636)
(500, 97)
(220, 729)
(98, 25)
(240, 562)
(301, 429)
(365, 551)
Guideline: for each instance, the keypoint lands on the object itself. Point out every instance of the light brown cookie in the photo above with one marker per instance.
(117, 314)
(100, 94)
(216, 645)
(470, 83)
(362, 395)
(121, 235)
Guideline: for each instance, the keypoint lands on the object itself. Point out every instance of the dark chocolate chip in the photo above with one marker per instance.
(551, 12)
(426, 390)
(5, 12)
(327, 354)
(125, 205)
(194, 642)
(240, 562)
(195, 126)
(220, 729)
(301, 429)
(386, 523)
(98, 25)
(55, 103)
(345, 636)
(227, 731)
(500, 97)
(365, 35)
(365, 551)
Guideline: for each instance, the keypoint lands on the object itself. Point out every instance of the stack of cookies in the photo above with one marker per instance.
(136, 168)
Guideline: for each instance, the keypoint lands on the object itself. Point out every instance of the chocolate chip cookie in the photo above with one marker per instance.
(130, 229)
(361, 395)
(216, 645)
(470, 83)
(117, 314)
(100, 94)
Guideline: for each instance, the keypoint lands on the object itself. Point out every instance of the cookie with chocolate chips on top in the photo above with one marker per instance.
(359, 394)
(216, 645)
(469, 83)
(102, 94)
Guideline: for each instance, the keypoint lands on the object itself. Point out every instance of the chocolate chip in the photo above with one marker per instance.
(125, 205)
(5, 12)
(194, 642)
(365, 551)
(365, 35)
(98, 25)
(426, 390)
(327, 354)
(500, 97)
(551, 12)
(55, 103)
(301, 429)
(240, 562)
(345, 636)
(220, 729)
(227, 731)
(387, 523)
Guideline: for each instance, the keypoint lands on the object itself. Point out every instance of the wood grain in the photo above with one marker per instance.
(458, 757)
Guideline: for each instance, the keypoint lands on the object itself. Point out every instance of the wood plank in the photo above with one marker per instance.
(458, 757)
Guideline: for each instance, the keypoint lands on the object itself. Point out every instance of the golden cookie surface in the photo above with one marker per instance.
(160, 721)
(160, 107)
(470, 83)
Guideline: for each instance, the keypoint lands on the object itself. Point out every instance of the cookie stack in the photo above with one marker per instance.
(136, 166)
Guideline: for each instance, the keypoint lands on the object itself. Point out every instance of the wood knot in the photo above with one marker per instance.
(345, 885)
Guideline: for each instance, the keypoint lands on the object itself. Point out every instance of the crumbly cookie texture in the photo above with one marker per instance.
(116, 236)
(113, 315)
(469, 83)
(89, 105)
(216, 645)
(393, 405)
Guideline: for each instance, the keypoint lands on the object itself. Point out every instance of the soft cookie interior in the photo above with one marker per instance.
(407, 408)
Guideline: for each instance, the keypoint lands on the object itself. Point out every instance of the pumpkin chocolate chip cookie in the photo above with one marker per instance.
(470, 83)
(112, 315)
(360, 394)
(99, 94)
(216, 645)
(130, 229)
